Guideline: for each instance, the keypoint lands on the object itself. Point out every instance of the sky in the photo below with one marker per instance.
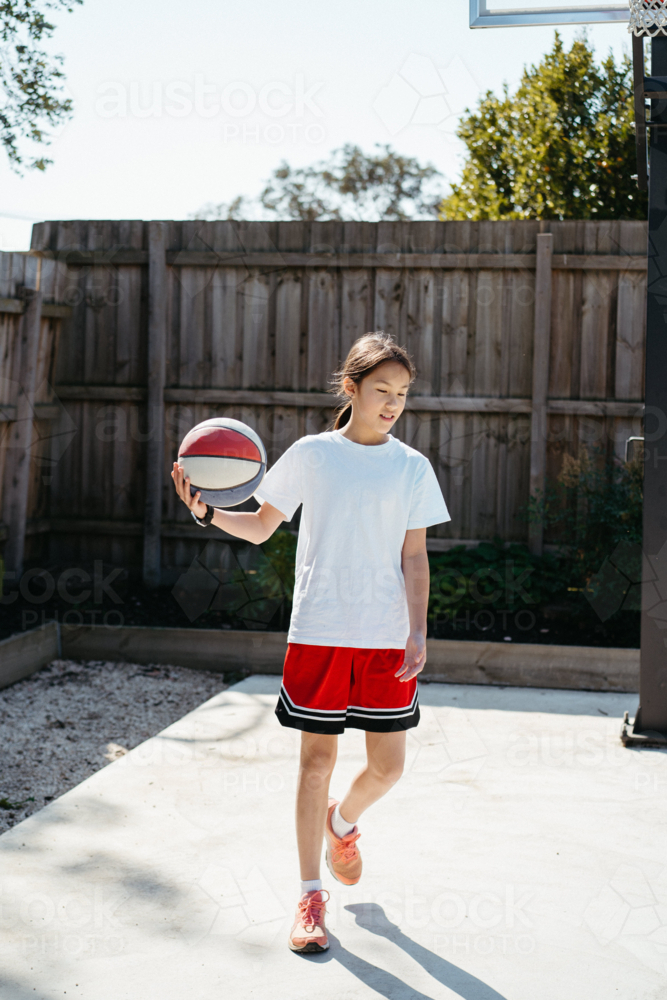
(178, 105)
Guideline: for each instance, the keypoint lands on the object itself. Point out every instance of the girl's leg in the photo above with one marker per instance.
(318, 756)
(384, 766)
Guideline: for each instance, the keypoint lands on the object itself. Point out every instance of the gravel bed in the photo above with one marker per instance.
(69, 719)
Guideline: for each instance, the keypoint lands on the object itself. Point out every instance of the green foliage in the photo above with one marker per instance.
(280, 551)
(6, 803)
(595, 504)
(491, 575)
(29, 78)
(561, 147)
(349, 185)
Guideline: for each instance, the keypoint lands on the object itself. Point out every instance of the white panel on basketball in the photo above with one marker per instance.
(213, 472)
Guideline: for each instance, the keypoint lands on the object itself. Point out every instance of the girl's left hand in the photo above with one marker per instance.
(415, 657)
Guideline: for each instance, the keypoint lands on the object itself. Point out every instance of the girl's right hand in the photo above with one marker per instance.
(182, 484)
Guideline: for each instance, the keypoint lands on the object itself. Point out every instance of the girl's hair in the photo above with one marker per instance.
(366, 354)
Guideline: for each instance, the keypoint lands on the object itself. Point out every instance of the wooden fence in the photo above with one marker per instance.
(528, 338)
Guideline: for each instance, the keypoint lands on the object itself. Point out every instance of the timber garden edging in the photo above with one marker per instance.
(583, 668)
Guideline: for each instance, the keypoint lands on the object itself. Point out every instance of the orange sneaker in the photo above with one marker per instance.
(308, 931)
(343, 857)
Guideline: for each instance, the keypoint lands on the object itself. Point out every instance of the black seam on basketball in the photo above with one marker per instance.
(255, 461)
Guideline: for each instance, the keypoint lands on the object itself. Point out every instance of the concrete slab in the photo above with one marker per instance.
(521, 857)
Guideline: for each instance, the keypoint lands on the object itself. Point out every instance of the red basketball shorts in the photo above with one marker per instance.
(326, 688)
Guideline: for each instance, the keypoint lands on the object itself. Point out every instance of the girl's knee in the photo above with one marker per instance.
(388, 773)
(318, 757)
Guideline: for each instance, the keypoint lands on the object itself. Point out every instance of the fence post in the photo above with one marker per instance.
(157, 355)
(541, 344)
(20, 436)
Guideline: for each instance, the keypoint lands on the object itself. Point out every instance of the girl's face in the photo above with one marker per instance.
(379, 399)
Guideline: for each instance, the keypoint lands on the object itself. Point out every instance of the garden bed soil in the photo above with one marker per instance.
(69, 719)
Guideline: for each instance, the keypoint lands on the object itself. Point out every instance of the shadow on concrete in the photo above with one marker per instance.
(372, 918)
(11, 989)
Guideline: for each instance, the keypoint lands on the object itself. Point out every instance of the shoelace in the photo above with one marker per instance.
(311, 910)
(345, 849)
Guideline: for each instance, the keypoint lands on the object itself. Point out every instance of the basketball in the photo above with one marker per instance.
(225, 459)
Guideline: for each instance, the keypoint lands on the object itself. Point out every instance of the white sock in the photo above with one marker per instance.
(340, 826)
(310, 884)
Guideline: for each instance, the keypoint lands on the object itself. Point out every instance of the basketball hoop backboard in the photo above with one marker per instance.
(498, 14)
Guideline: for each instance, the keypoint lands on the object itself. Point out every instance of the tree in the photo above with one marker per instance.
(30, 78)
(349, 185)
(561, 147)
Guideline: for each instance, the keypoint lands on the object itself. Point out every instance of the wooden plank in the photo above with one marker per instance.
(455, 335)
(81, 257)
(193, 365)
(597, 311)
(488, 334)
(483, 458)
(127, 393)
(23, 654)
(288, 329)
(17, 472)
(630, 336)
(157, 341)
(356, 307)
(486, 261)
(54, 310)
(226, 328)
(596, 408)
(517, 482)
(324, 354)
(130, 362)
(258, 363)
(565, 333)
(518, 335)
(419, 330)
(389, 301)
(449, 463)
(451, 661)
(541, 346)
(117, 257)
(209, 649)
(437, 404)
(12, 305)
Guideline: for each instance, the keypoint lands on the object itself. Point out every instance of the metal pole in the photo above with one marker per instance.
(652, 713)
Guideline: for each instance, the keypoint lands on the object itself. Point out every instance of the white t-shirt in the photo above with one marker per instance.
(358, 501)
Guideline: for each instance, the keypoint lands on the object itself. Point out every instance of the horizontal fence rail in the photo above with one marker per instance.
(320, 258)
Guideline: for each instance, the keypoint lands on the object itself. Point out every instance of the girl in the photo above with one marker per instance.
(357, 636)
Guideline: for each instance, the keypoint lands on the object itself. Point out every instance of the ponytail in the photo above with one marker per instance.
(366, 354)
(342, 415)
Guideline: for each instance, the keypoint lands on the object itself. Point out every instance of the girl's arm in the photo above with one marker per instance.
(414, 561)
(256, 527)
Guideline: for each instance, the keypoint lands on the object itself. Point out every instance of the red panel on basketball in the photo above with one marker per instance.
(224, 442)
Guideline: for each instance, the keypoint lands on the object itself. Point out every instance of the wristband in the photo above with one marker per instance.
(207, 518)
